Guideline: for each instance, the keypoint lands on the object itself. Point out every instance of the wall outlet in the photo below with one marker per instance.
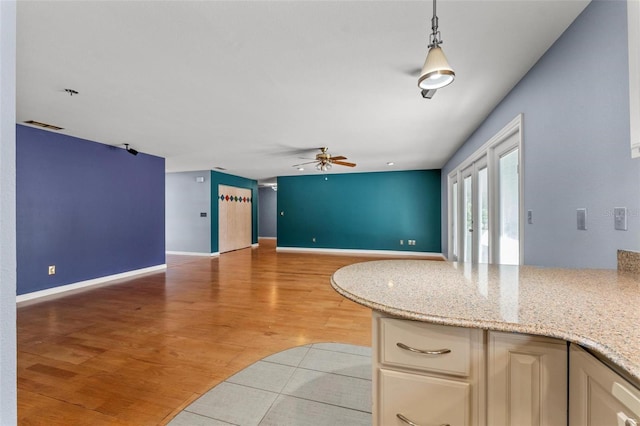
(401, 242)
(52, 269)
(313, 239)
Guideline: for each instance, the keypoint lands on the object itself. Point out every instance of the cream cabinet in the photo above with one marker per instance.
(526, 380)
(599, 396)
(427, 374)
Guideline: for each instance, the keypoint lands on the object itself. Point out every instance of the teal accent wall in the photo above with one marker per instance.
(365, 211)
(218, 178)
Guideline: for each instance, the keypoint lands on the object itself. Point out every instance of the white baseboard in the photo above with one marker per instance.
(254, 245)
(267, 238)
(194, 253)
(88, 283)
(360, 252)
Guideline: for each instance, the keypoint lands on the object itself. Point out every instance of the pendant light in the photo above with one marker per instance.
(436, 72)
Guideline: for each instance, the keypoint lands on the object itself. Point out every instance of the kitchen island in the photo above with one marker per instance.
(596, 309)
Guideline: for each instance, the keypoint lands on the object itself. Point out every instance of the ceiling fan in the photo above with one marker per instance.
(324, 160)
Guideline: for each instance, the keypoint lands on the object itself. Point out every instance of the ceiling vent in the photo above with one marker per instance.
(43, 125)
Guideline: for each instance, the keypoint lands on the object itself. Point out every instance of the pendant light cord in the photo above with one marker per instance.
(434, 39)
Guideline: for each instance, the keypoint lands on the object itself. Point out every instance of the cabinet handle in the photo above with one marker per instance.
(410, 423)
(423, 351)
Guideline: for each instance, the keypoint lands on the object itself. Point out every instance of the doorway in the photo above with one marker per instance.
(485, 202)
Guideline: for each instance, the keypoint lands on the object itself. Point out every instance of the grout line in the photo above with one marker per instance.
(212, 418)
(325, 403)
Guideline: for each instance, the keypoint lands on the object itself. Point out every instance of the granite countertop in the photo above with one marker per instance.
(598, 309)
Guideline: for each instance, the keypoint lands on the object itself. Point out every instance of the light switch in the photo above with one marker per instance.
(620, 218)
(582, 219)
(530, 217)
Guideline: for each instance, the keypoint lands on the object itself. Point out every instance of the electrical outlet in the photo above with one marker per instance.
(401, 242)
(313, 239)
(52, 269)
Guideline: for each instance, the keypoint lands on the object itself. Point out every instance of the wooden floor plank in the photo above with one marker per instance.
(140, 350)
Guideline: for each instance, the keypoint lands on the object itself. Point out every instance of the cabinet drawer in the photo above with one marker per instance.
(422, 400)
(426, 337)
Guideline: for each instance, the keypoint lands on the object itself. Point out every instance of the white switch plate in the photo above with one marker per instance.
(620, 218)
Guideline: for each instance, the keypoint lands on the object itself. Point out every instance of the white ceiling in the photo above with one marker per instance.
(253, 87)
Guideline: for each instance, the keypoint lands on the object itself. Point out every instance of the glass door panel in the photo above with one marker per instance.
(482, 218)
(467, 229)
(509, 208)
(454, 220)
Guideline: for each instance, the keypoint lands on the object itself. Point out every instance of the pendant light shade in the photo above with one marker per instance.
(436, 72)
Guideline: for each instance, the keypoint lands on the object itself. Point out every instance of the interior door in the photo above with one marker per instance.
(234, 218)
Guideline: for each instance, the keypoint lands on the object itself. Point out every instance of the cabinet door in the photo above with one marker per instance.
(527, 380)
(599, 396)
(423, 400)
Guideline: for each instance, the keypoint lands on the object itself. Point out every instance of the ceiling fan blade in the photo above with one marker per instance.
(303, 164)
(338, 158)
(344, 163)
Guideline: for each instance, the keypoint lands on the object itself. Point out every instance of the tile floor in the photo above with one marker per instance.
(315, 385)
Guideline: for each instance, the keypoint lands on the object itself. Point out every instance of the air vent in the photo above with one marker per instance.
(220, 168)
(43, 125)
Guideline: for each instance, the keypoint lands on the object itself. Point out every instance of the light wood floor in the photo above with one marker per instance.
(138, 351)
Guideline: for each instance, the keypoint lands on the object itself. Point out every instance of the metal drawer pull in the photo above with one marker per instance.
(410, 423)
(422, 351)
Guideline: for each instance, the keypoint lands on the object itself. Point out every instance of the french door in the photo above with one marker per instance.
(485, 202)
(474, 213)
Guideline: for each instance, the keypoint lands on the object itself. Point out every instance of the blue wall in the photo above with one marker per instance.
(90, 209)
(218, 178)
(185, 200)
(268, 213)
(367, 211)
(576, 152)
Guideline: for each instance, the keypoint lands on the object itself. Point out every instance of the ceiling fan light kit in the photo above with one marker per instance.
(436, 72)
(324, 161)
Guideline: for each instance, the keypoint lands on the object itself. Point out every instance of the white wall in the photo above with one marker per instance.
(576, 152)
(8, 400)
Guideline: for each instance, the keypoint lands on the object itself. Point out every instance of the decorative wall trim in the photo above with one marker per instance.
(194, 253)
(364, 252)
(88, 283)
